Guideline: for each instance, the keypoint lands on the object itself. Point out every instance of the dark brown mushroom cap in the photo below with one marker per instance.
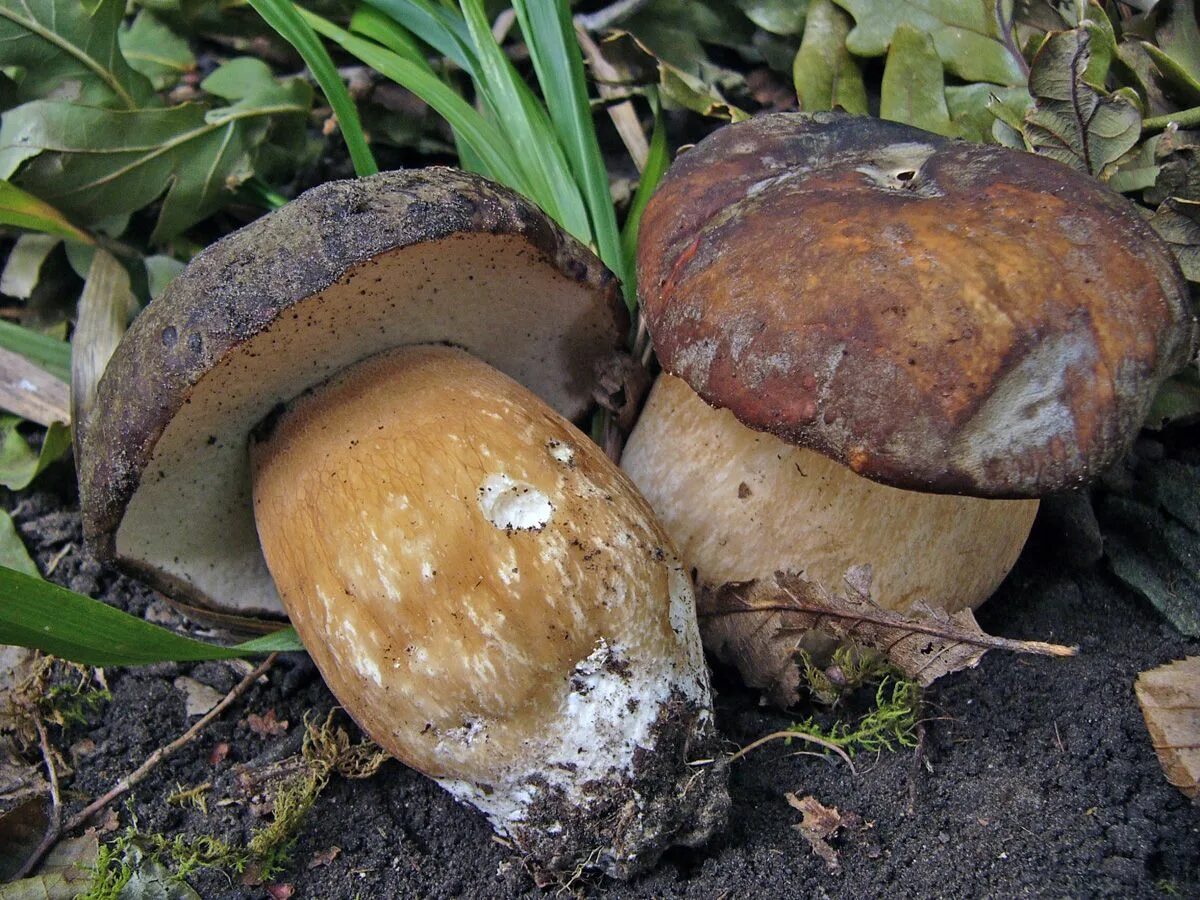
(347, 270)
(936, 315)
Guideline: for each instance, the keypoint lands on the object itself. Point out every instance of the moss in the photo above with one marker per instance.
(890, 724)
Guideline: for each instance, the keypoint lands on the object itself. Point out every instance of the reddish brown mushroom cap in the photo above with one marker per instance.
(936, 315)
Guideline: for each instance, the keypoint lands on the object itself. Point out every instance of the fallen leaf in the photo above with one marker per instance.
(266, 725)
(1170, 701)
(820, 823)
(219, 752)
(325, 857)
(198, 698)
(66, 873)
(762, 626)
(279, 891)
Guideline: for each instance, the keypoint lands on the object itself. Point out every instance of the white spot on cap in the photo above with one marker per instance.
(564, 453)
(514, 505)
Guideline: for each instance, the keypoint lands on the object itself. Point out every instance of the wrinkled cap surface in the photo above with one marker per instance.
(347, 270)
(934, 314)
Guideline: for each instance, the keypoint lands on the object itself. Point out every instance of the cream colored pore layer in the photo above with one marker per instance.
(742, 504)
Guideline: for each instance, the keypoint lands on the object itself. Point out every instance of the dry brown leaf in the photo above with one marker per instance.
(325, 857)
(778, 618)
(1170, 701)
(266, 725)
(279, 891)
(820, 823)
(220, 750)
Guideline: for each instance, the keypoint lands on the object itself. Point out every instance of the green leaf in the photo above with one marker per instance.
(90, 161)
(156, 51)
(486, 141)
(46, 617)
(776, 16)
(913, 89)
(1175, 73)
(19, 465)
(966, 33)
(23, 210)
(1070, 120)
(974, 109)
(13, 554)
(550, 36)
(66, 52)
(1178, 40)
(283, 16)
(826, 75)
(50, 353)
(160, 271)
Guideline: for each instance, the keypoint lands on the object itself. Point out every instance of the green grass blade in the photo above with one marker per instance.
(486, 141)
(42, 350)
(550, 36)
(23, 210)
(525, 122)
(436, 26)
(371, 23)
(374, 24)
(283, 17)
(657, 161)
(35, 613)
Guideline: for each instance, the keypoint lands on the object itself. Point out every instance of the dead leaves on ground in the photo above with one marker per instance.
(820, 825)
(1170, 701)
(777, 617)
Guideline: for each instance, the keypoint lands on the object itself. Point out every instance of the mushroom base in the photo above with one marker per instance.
(672, 794)
(743, 505)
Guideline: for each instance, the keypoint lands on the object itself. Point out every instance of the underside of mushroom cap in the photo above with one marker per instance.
(345, 271)
(936, 315)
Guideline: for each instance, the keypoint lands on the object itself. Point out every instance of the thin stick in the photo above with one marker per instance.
(811, 738)
(54, 826)
(132, 779)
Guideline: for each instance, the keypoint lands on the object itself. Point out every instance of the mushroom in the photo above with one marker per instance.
(881, 345)
(482, 589)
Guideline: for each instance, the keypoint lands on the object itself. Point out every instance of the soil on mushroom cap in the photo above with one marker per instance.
(1043, 780)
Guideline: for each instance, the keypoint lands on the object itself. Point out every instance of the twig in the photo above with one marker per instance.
(132, 779)
(54, 826)
(800, 735)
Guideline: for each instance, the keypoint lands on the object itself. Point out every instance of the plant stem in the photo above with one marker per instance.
(1185, 118)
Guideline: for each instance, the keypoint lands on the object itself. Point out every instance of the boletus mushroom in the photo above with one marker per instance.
(880, 346)
(358, 407)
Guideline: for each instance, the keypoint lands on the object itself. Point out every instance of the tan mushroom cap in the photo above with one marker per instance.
(347, 270)
(935, 315)
(494, 602)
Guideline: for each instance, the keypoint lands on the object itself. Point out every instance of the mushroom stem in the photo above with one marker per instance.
(742, 505)
(495, 604)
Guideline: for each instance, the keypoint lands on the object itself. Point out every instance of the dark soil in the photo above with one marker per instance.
(1037, 777)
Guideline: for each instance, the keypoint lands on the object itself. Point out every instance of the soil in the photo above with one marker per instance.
(1036, 778)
